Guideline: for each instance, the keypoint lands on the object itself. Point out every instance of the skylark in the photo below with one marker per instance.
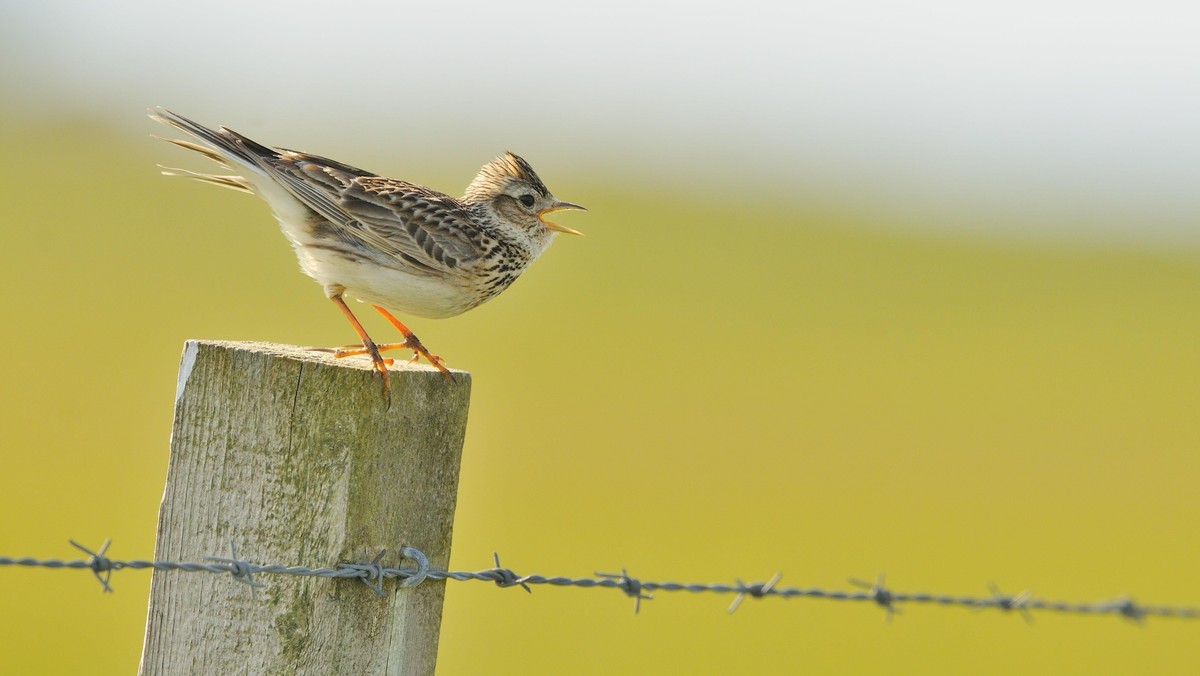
(393, 244)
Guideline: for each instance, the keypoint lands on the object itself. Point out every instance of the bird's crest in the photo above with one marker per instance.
(495, 176)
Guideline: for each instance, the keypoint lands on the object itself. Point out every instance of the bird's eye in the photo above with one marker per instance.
(527, 200)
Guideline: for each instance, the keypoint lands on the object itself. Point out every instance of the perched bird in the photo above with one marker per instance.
(393, 244)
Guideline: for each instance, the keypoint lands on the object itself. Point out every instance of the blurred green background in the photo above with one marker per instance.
(736, 372)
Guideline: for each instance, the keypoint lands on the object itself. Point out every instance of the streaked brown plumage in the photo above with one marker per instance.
(394, 244)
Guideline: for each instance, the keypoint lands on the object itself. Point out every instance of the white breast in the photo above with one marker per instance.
(389, 287)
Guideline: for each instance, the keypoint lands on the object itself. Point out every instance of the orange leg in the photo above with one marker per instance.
(352, 350)
(355, 350)
(413, 343)
(377, 360)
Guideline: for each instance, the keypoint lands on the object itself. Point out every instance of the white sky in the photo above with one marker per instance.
(1078, 117)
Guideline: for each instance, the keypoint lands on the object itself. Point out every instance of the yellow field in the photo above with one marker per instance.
(695, 392)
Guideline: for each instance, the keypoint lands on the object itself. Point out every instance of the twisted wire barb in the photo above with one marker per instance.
(373, 573)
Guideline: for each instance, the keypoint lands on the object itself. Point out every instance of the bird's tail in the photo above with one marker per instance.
(223, 146)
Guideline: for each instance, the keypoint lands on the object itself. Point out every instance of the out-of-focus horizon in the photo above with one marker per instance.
(1058, 120)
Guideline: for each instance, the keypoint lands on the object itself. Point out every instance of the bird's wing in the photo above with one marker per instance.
(431, 231)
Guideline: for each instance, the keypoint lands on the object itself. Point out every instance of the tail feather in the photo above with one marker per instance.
(203, 150)
(255, 168)
(224, 144)
(235, 182)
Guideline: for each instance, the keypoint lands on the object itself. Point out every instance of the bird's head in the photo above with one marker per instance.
(509, 188)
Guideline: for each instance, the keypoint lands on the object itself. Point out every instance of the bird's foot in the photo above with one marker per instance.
(379, 365)
(411, 343)
(355, 350)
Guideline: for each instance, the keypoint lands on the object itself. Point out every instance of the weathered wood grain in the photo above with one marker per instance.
(299, 460)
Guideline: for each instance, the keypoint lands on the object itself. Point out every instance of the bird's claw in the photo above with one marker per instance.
(419, 351)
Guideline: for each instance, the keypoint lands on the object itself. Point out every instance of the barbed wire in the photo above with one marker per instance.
(374, 573)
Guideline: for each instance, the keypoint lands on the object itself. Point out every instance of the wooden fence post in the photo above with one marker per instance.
(297, 459)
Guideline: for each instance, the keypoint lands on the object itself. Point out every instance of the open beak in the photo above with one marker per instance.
(559, 206)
